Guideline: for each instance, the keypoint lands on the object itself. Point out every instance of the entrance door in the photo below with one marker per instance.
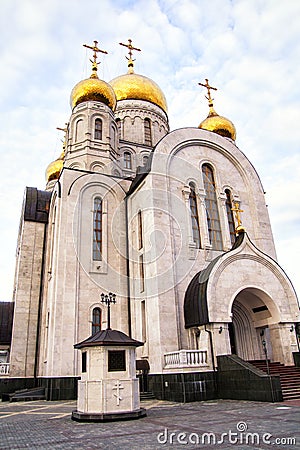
(249, 334)
(243, 337)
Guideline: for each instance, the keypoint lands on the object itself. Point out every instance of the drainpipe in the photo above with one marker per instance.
(211, 347)
(212, 357)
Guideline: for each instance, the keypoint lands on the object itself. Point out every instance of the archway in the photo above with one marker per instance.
(252, 313)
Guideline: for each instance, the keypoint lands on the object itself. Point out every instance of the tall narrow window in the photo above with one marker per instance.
(140, 229)
(97, 232)
(230, 215)
(142, 273)
(83, 362)
(127, 160)
(96, 322)
(147, 131)
(143, 311)
(212, 211)
(98, 129)
(194, 216)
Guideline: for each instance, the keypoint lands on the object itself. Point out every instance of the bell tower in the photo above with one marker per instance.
(92, 139)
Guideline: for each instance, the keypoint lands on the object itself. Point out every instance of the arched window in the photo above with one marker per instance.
(96, 321)
(98, 129)
(127, 160)
(145, 159)
(147, 132)
(194, 215)
(212, 211)
(97, 232)
(230, 217)
(78, 130)
(118, 123)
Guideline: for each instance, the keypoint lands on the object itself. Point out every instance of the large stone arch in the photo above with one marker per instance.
(252, 285)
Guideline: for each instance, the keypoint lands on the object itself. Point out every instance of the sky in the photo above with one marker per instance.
(248, 49)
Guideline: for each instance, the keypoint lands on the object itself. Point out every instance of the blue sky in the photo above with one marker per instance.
(249, 49)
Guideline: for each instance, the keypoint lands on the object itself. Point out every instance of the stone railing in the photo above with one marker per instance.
(4, 369)
(185, 358)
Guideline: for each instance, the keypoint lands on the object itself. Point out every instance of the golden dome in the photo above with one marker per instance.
(138, 87)
(54, 169)
(218, 124)
(93, 89)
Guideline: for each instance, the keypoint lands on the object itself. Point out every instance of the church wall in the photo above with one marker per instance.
(132, 114)
(171, 257)
(83, 146)
(77, 281)
(194, 147)
(158, 292)
(26, 297)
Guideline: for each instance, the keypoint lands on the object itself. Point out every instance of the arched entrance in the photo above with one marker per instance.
(252, 313)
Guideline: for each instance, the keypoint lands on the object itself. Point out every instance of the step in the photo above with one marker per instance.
(146, 396)
(25, 395)
(289, 377)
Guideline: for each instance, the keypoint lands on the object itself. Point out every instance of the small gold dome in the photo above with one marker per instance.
(138, 87)
(93, 89)
(218, 124)
(54, 169)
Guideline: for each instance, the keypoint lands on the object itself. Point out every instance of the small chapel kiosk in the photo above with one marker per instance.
(108, 389)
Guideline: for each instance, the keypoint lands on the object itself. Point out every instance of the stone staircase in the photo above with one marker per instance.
(146, 396)
(289, 377)
(25, 395)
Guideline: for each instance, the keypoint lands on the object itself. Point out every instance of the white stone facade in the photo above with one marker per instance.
(148, 255)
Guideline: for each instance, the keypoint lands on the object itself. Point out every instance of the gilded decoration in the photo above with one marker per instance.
(54, 168)
(137, 87)
(93, 89)
(214, 122)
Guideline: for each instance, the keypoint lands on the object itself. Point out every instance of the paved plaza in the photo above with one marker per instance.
(223, 424)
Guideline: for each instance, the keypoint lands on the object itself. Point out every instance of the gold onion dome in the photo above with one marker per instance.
(218, 124)
(132, 86)
(93, 89)
(138, 87)
(54, 168)
(214, 122)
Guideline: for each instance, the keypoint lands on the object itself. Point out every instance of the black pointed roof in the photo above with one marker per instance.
(109, 337)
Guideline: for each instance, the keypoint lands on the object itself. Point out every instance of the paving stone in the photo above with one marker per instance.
(48, 425)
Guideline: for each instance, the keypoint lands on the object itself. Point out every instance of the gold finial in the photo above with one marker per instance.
(237, 212)
(208, 87)
(130, 60)
(94, 62)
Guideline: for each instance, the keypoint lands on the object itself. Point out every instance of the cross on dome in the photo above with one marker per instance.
(65, 130)
(208, 87)
(130, 48)
(94, 61)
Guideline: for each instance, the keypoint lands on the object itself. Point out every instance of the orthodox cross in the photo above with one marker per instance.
(237, 212)
(65, 136)
(208, 87)
(130, 48)
(108, 299)
(118, 386)
(94, 62)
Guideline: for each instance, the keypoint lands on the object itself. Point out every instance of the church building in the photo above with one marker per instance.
(172, 223)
